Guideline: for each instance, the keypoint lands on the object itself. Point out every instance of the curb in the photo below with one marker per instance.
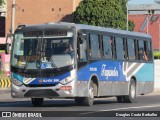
(5, 83)
(155, 92)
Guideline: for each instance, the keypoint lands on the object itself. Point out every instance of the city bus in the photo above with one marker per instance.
(83, 62)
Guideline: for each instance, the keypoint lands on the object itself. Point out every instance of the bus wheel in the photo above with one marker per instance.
(88, 101)
(120, 99)
(132, 93)
(37, 101)
(79, 100)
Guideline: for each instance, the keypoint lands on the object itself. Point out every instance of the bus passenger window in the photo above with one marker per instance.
(145, 56)
(119, 48)
(114, 53)
(136, 49)
(149, 49)
(83, 51)
(142, 52)
(145, 51)
(94, 46)
(107, 47)
(131, 49)
(125, 49)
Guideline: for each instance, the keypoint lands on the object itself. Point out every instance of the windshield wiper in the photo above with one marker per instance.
(37, 54)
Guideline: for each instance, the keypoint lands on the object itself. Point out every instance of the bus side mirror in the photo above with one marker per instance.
(7, 48)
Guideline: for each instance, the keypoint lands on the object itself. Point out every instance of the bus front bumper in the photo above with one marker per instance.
(44, 92)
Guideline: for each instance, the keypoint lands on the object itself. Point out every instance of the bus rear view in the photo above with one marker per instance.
(42, 63)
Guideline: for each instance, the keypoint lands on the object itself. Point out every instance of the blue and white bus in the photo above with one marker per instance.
(66, 60)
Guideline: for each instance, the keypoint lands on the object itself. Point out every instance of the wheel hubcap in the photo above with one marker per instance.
(133, 91)
(91, 93)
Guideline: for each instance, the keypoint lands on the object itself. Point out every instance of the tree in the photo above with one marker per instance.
(1, 2)
(105, 13)
(131, 24)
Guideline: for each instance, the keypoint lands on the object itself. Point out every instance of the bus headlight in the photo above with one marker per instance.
(16, 82)
(66, 80)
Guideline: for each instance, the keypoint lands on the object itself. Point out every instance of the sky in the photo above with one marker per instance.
(141, 1)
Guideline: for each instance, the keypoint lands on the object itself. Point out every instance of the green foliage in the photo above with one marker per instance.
(2, 2)
(156, 54)
(105, 13)
(2, 72)
(2, 51)
(131, 25)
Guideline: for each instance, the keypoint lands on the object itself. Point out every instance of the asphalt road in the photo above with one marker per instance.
(106, 107)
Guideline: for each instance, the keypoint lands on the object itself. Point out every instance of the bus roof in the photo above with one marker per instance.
(83, 27)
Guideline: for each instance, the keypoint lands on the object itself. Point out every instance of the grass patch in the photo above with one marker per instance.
(3, 75)
(2, 72)
(156, 54)
(2, 51)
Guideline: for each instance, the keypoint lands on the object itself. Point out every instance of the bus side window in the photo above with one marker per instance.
(94, 48)
(136, 49)
(131, 49)
(113, 45)
(142, 52)
(125, 49)
(119, 48)
(145, 51)
(82, 49)
(149, 48)
(107, 47)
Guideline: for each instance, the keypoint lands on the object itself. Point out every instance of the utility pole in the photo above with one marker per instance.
(127, 15)
(159, 34)
(148, 9)
(13, 17)
(148, 16)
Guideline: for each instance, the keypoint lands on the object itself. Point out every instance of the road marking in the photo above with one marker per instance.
(140, 107)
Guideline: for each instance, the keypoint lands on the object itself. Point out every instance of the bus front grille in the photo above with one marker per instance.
(40, 85)
(41, 93)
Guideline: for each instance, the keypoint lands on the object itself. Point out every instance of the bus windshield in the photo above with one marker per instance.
(43, 52)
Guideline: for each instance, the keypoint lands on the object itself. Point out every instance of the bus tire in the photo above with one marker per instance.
(88, 101)
(132, 93)
(37, 101)
(120, 99)
(79, 100)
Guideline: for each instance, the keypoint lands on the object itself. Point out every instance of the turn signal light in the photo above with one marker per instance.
(66, 88)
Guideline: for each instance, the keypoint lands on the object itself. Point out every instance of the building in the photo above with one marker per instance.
(3, 10)
(35, 12)
(142, 24)
(40, 11)
(147, 19)
(2, 20)
(2, 26)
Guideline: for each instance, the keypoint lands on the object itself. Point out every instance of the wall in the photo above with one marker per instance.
(41, 11)
(153, 28)
(157, 75)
